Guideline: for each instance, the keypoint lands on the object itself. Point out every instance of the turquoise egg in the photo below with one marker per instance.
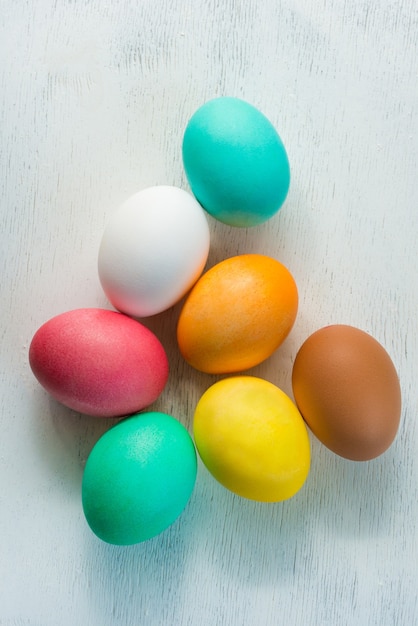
(235, 162)
(138, 478)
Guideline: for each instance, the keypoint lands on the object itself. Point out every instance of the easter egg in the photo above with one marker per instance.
(99, 362)
(237, 314)
(252, 439)
(138, 478)
(347, 389)
(235, 162)
(153, 249)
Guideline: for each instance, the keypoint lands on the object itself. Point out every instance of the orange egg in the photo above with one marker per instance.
(237, 314)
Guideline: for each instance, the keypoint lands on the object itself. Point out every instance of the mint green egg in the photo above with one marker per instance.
(235, 162)
(138, 478)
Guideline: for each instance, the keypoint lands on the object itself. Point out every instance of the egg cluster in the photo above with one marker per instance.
(250, 435)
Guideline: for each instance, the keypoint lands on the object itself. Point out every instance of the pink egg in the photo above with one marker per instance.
(99, 362)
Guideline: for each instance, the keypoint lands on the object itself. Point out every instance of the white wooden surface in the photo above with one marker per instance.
(94, 98)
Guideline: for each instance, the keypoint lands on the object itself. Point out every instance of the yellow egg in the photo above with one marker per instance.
(252, 438)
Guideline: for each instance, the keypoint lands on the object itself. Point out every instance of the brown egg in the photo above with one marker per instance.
(347, 389)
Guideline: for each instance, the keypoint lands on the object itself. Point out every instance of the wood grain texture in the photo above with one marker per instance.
(94, 98)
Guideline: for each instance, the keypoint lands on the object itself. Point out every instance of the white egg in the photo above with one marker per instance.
(154, 248)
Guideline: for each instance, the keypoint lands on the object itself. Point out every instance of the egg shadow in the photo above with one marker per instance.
(261, 542)
(185, 384)
(164, 326)
(269, 543)
(262, 538)
(147, 579)
(356, 499)
(65, 437)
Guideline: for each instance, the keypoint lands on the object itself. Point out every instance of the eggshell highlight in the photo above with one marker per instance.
(235, 162)
(99, 362)
(153, 250)
(347, 389)
(237, 314)
(138, 478)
